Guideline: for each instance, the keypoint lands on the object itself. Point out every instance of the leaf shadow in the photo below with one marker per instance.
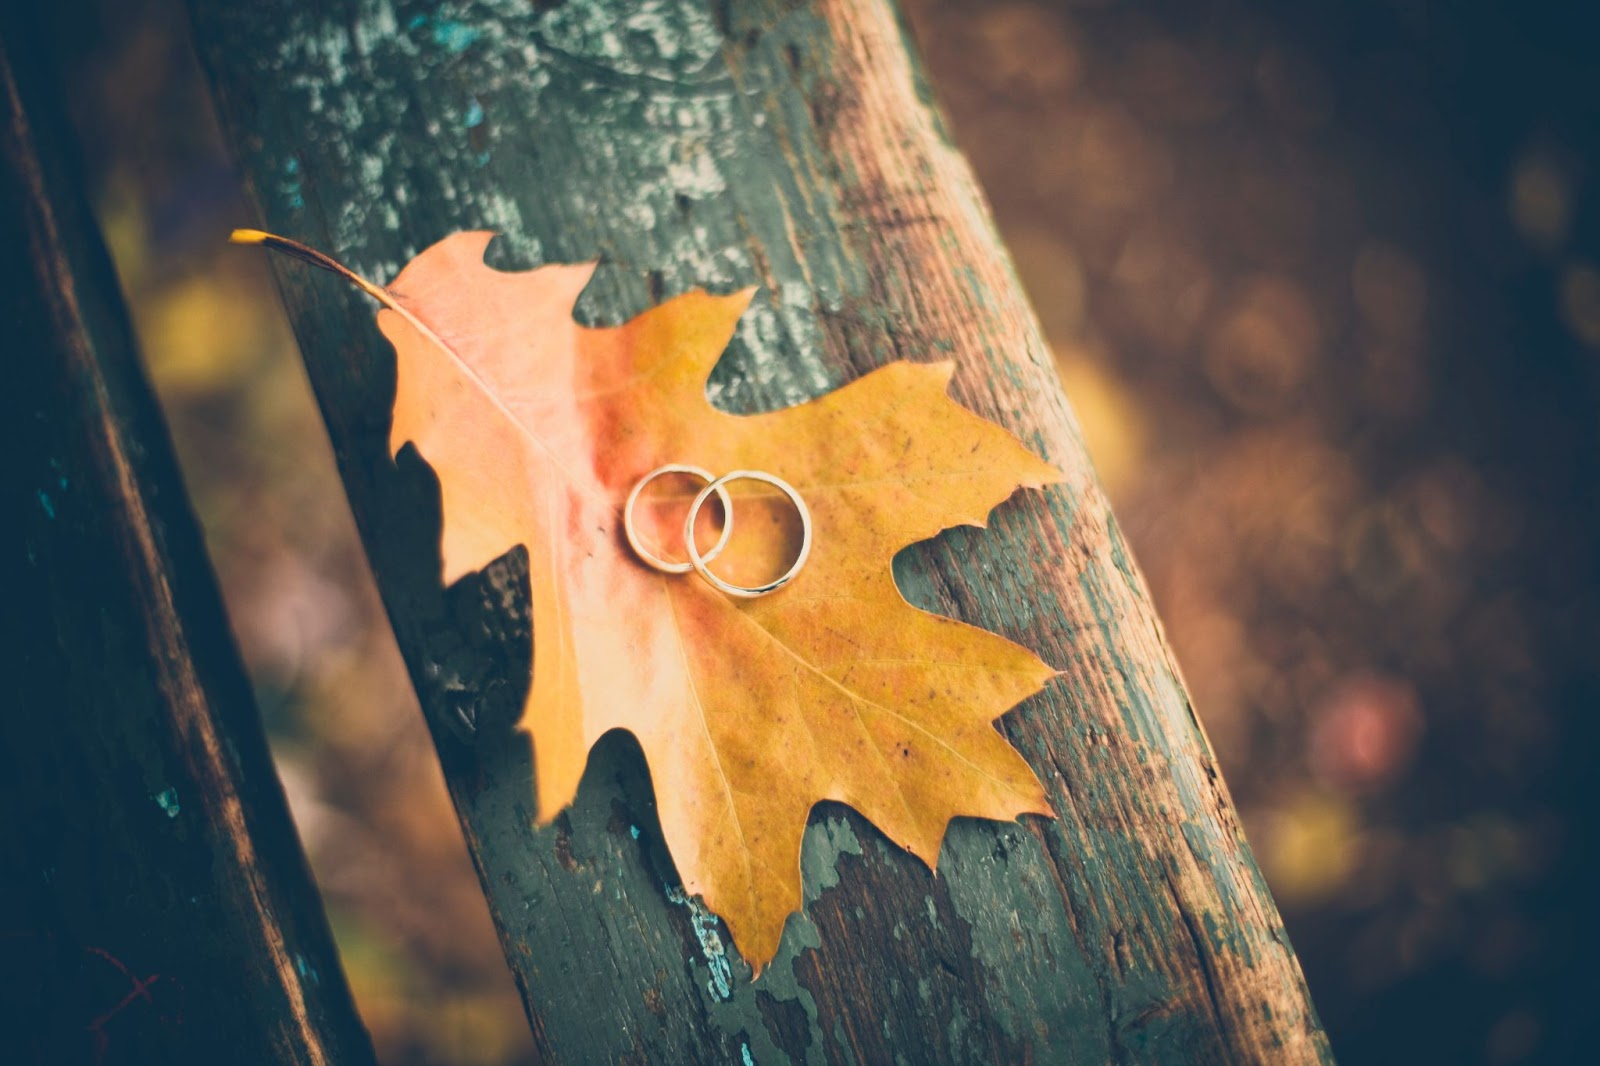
(559, 891)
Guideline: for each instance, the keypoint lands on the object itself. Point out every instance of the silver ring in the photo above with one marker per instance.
(633, 536)
(698, 561)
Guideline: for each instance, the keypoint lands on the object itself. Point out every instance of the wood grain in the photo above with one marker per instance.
(155, 904)
(793, 146)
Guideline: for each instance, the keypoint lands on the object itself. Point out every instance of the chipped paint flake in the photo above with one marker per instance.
(454, 37)
(306, 970)
(711, 948)
(167, 800)
(696, 176)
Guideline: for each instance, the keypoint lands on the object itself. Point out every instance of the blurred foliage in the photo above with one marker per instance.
(1322, 280)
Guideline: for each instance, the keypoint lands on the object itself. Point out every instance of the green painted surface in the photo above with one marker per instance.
(690, 145)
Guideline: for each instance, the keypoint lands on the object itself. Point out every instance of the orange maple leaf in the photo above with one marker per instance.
(749, 712)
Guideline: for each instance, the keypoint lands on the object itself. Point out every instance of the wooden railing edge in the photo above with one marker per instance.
(156, 905)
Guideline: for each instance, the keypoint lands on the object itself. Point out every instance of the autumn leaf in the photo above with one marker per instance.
(749, 712)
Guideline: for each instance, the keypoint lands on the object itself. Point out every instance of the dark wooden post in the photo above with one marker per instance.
(154, 902)
(790, 145)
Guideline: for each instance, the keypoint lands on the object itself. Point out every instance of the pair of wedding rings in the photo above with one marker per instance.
(699, 561)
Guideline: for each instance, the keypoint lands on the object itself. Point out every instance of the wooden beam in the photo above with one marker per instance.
(790, 145)
(155, 905)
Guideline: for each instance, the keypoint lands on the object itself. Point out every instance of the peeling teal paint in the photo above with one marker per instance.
(44, 501)
(306, 970)
(455, 36)
(705, 930)
(633, 831)
(744, 1053)
(167, 800)
(474, 115)
(291, 187)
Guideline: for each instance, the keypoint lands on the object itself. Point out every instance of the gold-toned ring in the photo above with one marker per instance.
(698, 561)
(644, 553)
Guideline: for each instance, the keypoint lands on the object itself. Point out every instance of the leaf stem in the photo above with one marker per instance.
(307, 254)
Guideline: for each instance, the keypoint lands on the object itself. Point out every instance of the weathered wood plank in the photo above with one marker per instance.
(790, 145)
(155, 905)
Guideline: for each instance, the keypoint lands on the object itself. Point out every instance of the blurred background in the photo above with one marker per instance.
(1323, 280)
